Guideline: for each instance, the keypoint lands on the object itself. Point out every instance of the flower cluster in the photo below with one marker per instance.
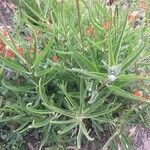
(137, 16)
(3, 49)
(7, 52)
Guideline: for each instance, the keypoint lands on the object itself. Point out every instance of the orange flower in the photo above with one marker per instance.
(138, 93)
(55, 59)
(132, 16)
(9, 54)
(32, 49)
(89, 29)
(20, 51)
(5, 33)
(106, 25)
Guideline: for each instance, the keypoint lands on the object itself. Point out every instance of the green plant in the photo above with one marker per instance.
(80, 71)
(33, 4)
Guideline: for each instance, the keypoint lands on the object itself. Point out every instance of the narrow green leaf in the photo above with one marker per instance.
(104, 112)
(8, 119)
(85, 132)
(42, 55)
(94, 75)
(110, 140)
(13, 65)
(98, 102)
(35, 12)
(45, 136)
(37, 111)
(101, 120)
(69, 100)
(7, 110)
(123, 93)
(59, 110)
(132, 57)
(79, 137)
(97, 25)
(21, 127)
(128, 141)
(16, 88)
(68, 128)
(130, 78)
(97, 126)
(24, 129)
(111, 52)
(95, 44)
(83, 92)
(42, 92)
(40, 123)
(49, 104)
(41, 24)
(123, 142)
(84, 62)
(63, 121)
(41, 73)
(117, 49)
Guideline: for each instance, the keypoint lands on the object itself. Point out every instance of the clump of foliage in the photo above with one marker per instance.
(73, 69)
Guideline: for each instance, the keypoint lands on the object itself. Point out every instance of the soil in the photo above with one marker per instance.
(139, 134)
(7, 10)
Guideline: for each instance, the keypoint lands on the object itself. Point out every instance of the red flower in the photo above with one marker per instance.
(2, 47)
(89, 29)
(138, 93)
(9, 54)
(106, 25)
(55, 59)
